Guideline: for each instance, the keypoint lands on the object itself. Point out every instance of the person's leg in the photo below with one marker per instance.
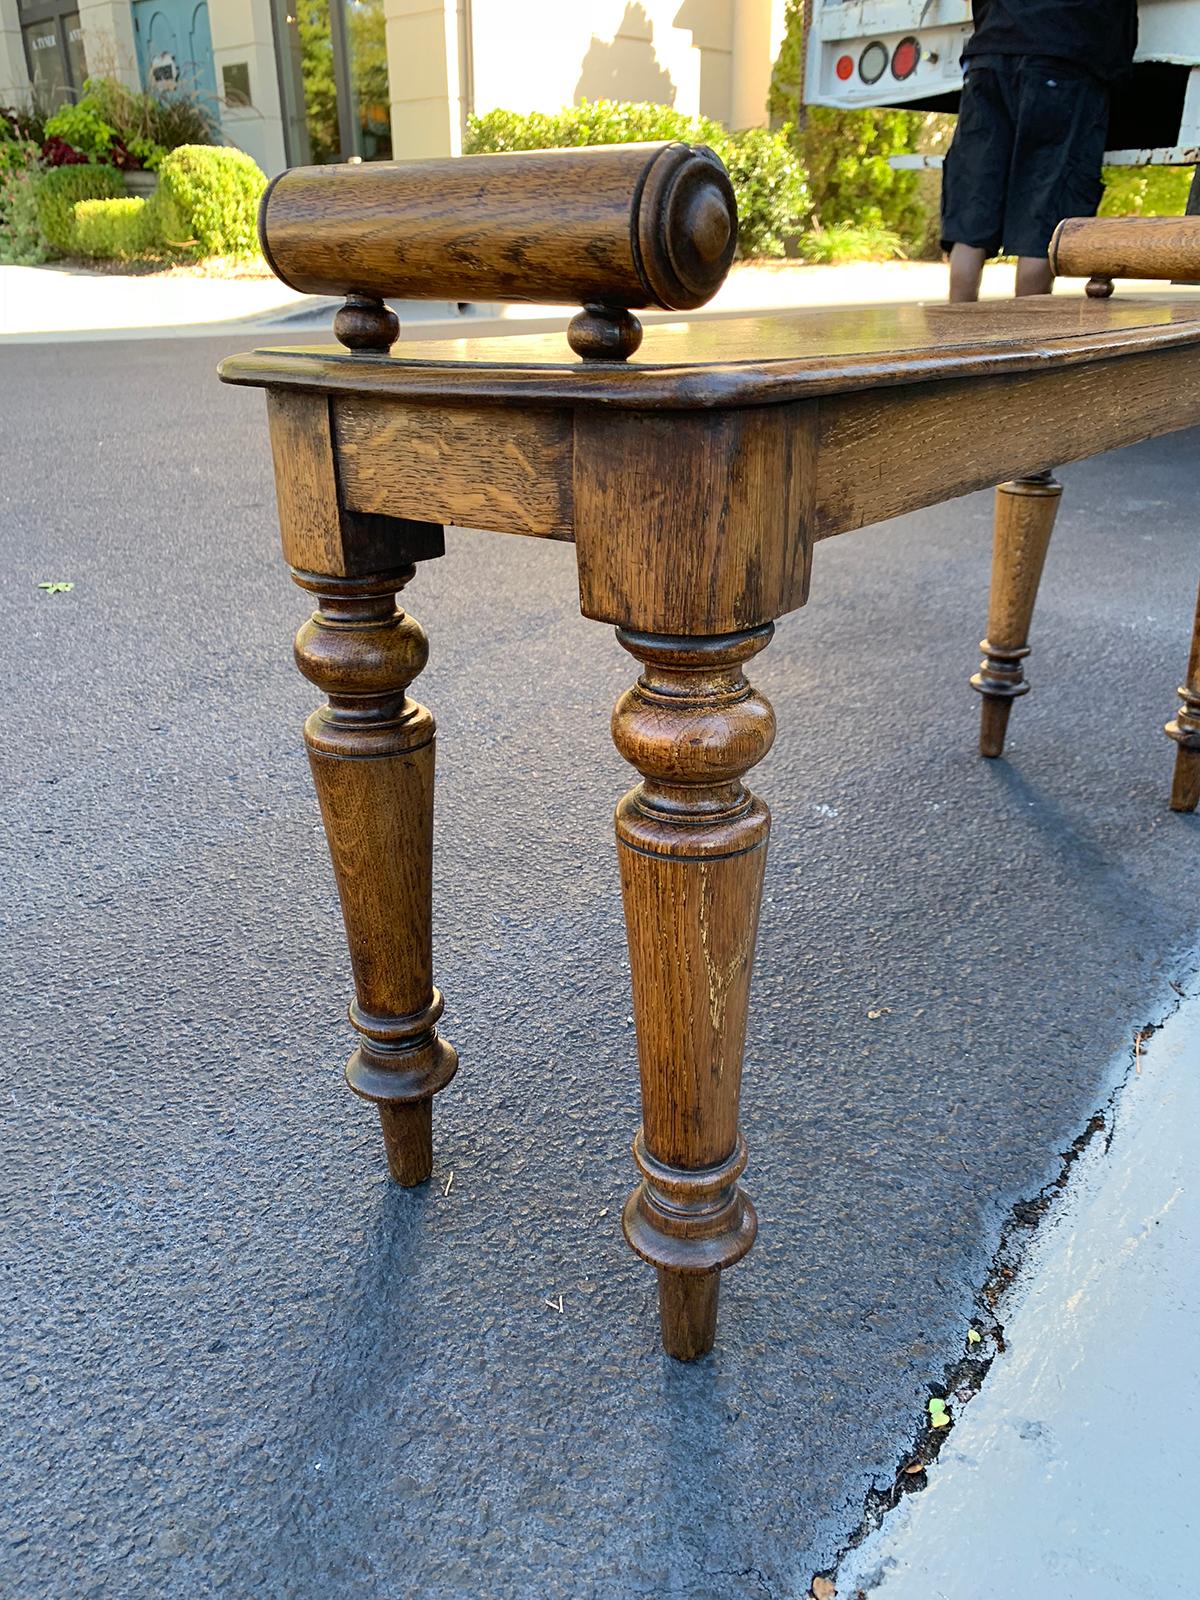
(966, 272)
(1061, 116)
(974, 179)
(1034, 275)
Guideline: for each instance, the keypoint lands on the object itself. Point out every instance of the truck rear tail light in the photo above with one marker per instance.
(873, 62)
(906, 58)
(844, 67)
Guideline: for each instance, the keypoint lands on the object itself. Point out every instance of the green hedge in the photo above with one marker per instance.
(114, 230)
(772, 196)
(19, 238)
(207, 200)
(56, 193)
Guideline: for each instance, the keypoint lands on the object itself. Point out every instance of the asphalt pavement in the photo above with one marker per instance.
(235, 1361)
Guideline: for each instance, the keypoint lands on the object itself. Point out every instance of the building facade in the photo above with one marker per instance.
(296, 81)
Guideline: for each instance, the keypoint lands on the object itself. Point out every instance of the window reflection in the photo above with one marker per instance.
(367, 50)
(343, 69)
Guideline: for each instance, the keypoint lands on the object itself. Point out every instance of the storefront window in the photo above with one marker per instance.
(47, 61)
(76, 58)
(54, 53)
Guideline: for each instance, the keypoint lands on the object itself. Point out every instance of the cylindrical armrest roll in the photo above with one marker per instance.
(1127, 247)
(617, 225)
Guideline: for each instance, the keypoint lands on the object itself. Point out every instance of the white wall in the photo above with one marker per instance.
(704, 57)
(427, 44)
(14, 75)
(538, 55)
(758, 29)
(241, 31)
(108, 40)
(445, 57)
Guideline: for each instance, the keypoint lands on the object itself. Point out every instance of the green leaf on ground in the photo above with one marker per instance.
(56, 588)
(939, 1417)
(974, 1336)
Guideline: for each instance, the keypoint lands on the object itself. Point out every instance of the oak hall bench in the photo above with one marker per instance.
(695, 469)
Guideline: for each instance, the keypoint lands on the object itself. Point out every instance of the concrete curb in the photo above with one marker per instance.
(1072, 1471)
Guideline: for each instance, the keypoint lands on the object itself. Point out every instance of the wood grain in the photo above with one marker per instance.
(883, 454)
(1025, 513)
(620, 225)
(692, 847)
(1127, 247)
(371, 749)
(695, 479)
(473, 466)
(306, 490)
(694, 524)
(319, 532)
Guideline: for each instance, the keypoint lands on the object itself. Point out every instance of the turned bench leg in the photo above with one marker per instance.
(371, 752)
(1025, 512)
(692, 843)
(1185, 730)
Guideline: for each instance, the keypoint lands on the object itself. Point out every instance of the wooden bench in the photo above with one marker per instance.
(695, 469)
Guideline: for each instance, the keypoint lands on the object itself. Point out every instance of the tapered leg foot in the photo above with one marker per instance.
(1025, 512)
(687, 1306)
(692, 846)
(1185, 730)
(1185, 790)
(408, 1141)
(993, 725)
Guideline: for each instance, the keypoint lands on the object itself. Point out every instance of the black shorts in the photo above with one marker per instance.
(1027, 152)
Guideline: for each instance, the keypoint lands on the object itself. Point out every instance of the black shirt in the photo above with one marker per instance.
(1098, 35)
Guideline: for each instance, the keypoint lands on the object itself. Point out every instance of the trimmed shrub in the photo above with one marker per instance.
(58, 191)
(207, 200)
(114, 230)
(772, 196)
(590, 122)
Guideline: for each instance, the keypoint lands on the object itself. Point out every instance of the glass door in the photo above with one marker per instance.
(333, 75)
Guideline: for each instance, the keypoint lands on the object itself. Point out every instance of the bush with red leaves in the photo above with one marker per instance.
(58, 153)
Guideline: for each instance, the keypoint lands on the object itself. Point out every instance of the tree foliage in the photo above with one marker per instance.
(846, 153)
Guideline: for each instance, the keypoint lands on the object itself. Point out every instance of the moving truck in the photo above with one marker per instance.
(906, 53)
